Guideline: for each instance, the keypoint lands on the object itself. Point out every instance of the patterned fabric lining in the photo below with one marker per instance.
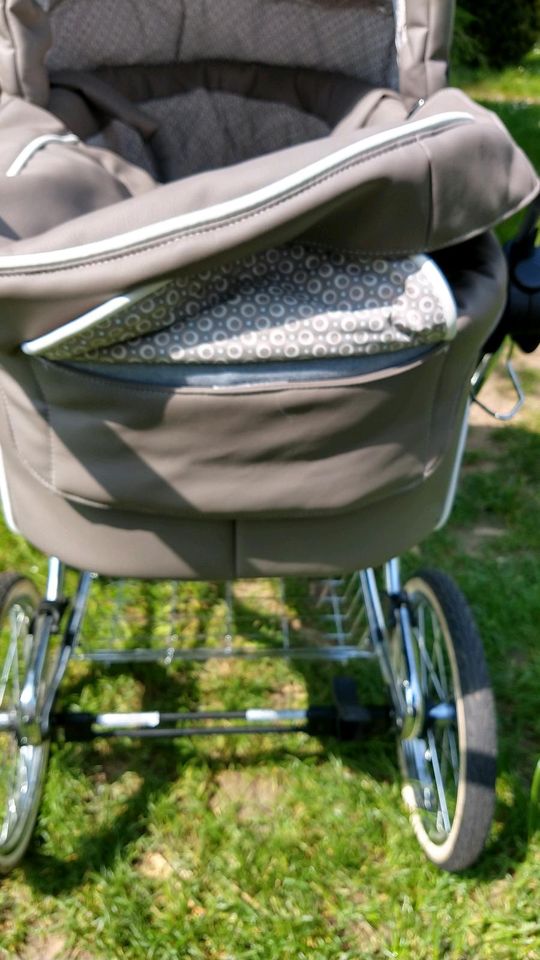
(290, 303)
(356, 37)
(240, 129)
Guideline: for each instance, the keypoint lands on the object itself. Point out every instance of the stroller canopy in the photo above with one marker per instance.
(139, 139)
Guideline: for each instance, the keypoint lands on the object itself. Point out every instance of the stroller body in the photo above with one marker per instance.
(224, 350)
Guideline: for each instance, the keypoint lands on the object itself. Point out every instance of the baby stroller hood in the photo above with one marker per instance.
(81, 220)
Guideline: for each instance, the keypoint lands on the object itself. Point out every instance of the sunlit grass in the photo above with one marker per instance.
(519, 83)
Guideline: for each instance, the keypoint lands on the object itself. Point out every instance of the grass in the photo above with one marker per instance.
(514, 84)
(293, 848)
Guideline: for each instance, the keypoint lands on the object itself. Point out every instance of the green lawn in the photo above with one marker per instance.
(514, 94)
(512, 84)
(284, 849)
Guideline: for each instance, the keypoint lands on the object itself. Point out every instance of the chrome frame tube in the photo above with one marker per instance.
(170, 733)
(34, 726)
(380, 639)
(413, 720)
(75, 622)
(153, 719)
(168, 655)
(36, 709)
(69, 641)
(407, 699)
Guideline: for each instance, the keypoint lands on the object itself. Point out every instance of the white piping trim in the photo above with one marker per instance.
(33, 147)
(240, 205)
(124, 721)
(87, 320)
(5, 497)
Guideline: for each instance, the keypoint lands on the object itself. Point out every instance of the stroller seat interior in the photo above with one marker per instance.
(183, 87)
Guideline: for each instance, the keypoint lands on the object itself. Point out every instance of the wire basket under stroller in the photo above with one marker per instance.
(247, 276)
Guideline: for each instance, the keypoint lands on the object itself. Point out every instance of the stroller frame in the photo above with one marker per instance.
(421, 634)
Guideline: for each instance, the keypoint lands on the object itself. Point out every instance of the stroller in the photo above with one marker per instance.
(246, 276)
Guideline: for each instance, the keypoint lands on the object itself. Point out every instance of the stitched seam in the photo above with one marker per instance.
(232, 220)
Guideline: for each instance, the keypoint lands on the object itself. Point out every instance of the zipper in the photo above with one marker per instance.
(248, 204)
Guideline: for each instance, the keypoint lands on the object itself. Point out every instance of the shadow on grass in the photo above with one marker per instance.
(156, 766)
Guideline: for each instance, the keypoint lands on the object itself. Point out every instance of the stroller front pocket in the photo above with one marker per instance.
(275, 449)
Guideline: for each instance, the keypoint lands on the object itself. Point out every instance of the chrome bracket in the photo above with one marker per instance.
(480, 377)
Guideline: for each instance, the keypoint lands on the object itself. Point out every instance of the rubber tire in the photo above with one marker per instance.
(12, 586)
(476, 726)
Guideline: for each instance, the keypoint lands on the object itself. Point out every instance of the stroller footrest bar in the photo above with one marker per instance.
(89, 726)
(155, 719)
(322, 720)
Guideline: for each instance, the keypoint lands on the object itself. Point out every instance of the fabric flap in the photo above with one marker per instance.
(448, 174)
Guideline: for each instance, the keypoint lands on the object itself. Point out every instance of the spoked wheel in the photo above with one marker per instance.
(22, 762)
(449, 766)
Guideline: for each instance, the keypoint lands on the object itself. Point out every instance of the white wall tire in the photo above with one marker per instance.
(448, 770)
(22, 765)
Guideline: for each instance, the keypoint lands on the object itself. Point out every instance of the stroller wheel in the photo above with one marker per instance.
(448, 767)
(23, 758)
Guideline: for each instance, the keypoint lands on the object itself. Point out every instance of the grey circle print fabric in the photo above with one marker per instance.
(288, 303)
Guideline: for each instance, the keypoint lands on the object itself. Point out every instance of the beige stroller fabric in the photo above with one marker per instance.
(164, 165)
(85, 222)
(357, 37)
